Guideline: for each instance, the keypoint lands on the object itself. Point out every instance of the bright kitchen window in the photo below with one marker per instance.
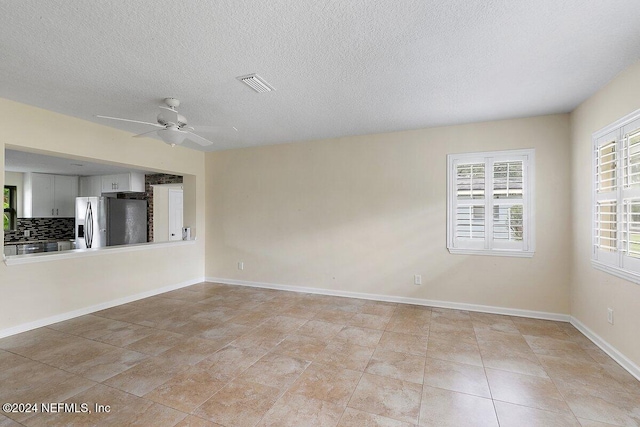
(490, 203)
(616, 198)
(9, 204)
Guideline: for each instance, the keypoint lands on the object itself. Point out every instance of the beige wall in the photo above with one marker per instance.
(16, 179)
(366, 213)
(593, 291)
(35, 291)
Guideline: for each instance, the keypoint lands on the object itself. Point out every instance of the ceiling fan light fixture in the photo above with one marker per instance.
(256, 83)
(172, 137)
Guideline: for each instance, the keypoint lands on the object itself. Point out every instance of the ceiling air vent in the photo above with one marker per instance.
(256, 83)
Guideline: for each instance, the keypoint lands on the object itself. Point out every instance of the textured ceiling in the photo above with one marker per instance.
(340, 67)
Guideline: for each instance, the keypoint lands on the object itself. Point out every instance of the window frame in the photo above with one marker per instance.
(12, 210)
(617, 262)
(489, 245)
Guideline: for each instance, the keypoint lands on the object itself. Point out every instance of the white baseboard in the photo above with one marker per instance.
(622, 360)
(402, 300)
(92, 309)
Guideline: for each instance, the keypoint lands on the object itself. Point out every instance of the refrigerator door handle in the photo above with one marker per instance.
(88, 225)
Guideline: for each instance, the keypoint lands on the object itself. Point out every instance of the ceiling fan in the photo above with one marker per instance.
(173, 126)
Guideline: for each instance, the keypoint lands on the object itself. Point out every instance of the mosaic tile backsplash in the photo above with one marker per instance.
(42, 229)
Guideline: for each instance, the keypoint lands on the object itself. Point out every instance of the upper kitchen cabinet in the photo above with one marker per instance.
(132, 182)
(49, 196)
(91, 186)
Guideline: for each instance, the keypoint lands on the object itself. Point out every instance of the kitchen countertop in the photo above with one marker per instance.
(31, 242)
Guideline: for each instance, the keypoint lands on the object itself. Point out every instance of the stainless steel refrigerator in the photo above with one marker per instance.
(107, 221)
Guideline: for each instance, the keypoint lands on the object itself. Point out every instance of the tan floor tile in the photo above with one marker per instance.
(301, 312)
(542, 328)
(408, 324)
(579, 376)
(188, 390)
(294, 410)
(78, 351)
(493, 322)
(192, 350)
(590, 423)
(443, 408)
(608, 406)
(239, 404)
(8, 422)
(401, 366)
(89, 326)
(183, 294)
(454, 351)
(449, 314)
(299, 346)
(526, 390)
(404, 343)
(36, 343)
(122, 337)
(355, 418)
(328, 383)
(227, 330)
(511, 415)
(414, 311)
(145, 376)
(445, 331)
(251, 318)
(500, 341)
(371, 321)
(41, 384)
(334, 316)
(10, 361)
(275, 370)
(107, 365)
(231, 361)
(513, 361)
(284, 324)
(260, 338)
(319, 329)
(344, 355)
(156, 342)
(555, 347)
(458, 377)
(387, 397)
(217, 313)
(378, 308)
(359, 336)
(618, 373)
(193, 421)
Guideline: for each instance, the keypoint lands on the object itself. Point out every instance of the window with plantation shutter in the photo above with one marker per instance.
(616, 198)
(490, 203)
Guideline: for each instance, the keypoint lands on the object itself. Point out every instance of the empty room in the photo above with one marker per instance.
(320, 213)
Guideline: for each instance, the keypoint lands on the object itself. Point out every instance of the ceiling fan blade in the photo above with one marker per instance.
(145, 133)
(132, 121)
(170, 115)
(215, 128)
(198, 139)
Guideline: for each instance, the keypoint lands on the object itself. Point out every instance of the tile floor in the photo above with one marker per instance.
(218, 355)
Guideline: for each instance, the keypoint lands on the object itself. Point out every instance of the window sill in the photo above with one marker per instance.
(81, 253)
(616, 271)
(492, 252)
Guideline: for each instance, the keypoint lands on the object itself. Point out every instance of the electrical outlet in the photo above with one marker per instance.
(27, 233)
(610, 315)
(417, 279)
(240, 265)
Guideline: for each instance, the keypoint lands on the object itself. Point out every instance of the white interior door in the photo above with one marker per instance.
(175, 214)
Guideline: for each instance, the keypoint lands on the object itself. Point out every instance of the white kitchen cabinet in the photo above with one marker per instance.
(132, 182)
(91, 186)
(49, 196)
